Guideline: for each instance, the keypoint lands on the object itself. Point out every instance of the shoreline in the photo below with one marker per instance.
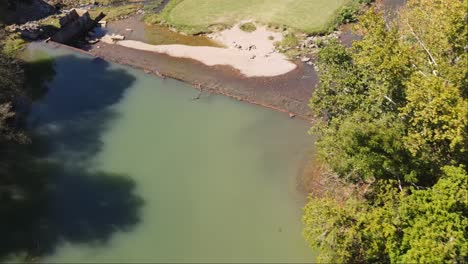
(253, 53)
(254, 90)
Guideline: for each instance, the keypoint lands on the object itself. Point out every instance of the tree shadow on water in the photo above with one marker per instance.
(47, 194)
(76, 106)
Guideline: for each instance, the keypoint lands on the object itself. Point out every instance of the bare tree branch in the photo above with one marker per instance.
(421, 43)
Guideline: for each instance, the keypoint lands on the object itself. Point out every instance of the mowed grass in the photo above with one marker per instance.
(309, 16)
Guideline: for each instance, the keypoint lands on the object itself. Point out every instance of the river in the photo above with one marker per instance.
(144, 173)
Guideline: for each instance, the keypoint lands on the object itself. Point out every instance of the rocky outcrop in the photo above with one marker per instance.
(75, 25)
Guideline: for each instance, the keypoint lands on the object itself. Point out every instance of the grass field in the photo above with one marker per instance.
(309, 16)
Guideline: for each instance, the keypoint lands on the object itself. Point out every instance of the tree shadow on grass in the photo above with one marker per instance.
(48, 195)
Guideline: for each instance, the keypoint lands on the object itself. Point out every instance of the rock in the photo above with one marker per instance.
(117, 37)
(111, 39)
(252, 47)
(305, 59)
(103, 23)
(11, 29)
(129, 29)
(253, 57)
(77, 24)
(30, 35)
(291, 115)
(309, 63)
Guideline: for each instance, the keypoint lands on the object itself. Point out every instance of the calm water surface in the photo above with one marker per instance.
(146, 174)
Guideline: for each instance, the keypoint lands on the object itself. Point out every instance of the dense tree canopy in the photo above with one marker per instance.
(426, 226)
(393, 113)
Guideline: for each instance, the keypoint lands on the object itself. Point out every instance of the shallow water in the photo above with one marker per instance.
(156, 34)
(160, 35)
(146, 174)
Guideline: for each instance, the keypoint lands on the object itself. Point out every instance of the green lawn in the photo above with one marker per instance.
(305, 15)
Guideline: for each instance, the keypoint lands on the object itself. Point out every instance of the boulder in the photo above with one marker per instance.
(76, 26)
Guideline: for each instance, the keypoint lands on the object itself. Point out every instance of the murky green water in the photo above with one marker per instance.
(145, 174)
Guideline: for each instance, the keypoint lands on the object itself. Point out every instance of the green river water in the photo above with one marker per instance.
(146, 174)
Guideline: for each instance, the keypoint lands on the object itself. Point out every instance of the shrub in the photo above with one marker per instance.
(12, 44)
(152, 19)
(289, 40)
(248, 27)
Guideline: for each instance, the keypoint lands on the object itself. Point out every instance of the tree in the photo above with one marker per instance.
(11, 86)
(412, 226)
(434, 221)
(436, 112)
(393, 114)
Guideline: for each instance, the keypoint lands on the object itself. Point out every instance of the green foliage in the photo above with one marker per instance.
(248, 27)
(378, 76)
(11, 86)
(348, 13)
(51, 21)
(437, 117)
(364, 149)
(152, 19)
(353, 231)
(115, 13)
(390, 226)
(302, 15)
(435, 221)
(393, 116)
(437, 107)
(12, 44)
(151, 15)
(289, 41)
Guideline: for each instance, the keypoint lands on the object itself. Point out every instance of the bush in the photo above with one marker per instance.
(152, 19)
(12, 44)
(248, 27)
(115, 13)
(289, 41)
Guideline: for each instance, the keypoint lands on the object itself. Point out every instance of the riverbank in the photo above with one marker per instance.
(288, 93)
(253, 54)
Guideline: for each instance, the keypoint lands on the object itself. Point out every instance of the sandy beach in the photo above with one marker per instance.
(288, 93)
(252, 53)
